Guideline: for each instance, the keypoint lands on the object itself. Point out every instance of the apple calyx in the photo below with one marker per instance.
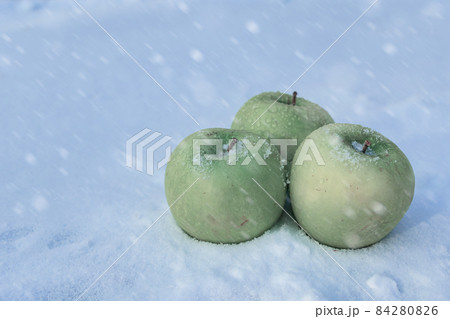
(232, 143)
(294, 97)
(365, 146)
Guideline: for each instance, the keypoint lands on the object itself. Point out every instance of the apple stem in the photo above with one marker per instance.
(365, 146)
(232, 143)
(294, 97)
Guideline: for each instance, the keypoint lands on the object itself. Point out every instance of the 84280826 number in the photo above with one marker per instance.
(407, 310)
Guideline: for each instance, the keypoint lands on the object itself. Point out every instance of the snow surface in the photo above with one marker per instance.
(69, 100)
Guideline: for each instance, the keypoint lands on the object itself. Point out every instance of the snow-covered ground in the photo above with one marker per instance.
(70, 99)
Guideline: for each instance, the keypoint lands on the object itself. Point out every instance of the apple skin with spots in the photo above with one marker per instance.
(282, 120)
(225, 205)
(356, 198)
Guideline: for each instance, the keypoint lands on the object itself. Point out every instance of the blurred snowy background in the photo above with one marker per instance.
(70, 98)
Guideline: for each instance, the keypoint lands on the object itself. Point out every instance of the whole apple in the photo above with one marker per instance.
(358, 193)
(211, 184)
(289, 117)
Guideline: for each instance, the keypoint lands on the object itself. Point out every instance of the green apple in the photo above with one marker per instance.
(225, 204)
(358, 193)
(281, 116)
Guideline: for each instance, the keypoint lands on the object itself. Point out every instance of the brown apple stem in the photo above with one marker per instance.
(365, 146)
(294, 97)
(232, 143)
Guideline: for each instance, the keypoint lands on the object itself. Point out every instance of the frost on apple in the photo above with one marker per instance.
(280, 116)
(359, 147)
(361, 187)
(267, 153)
(225, 205)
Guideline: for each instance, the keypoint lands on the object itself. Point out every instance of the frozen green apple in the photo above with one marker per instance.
(358, 193)
(211, 185)
(281, 116)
